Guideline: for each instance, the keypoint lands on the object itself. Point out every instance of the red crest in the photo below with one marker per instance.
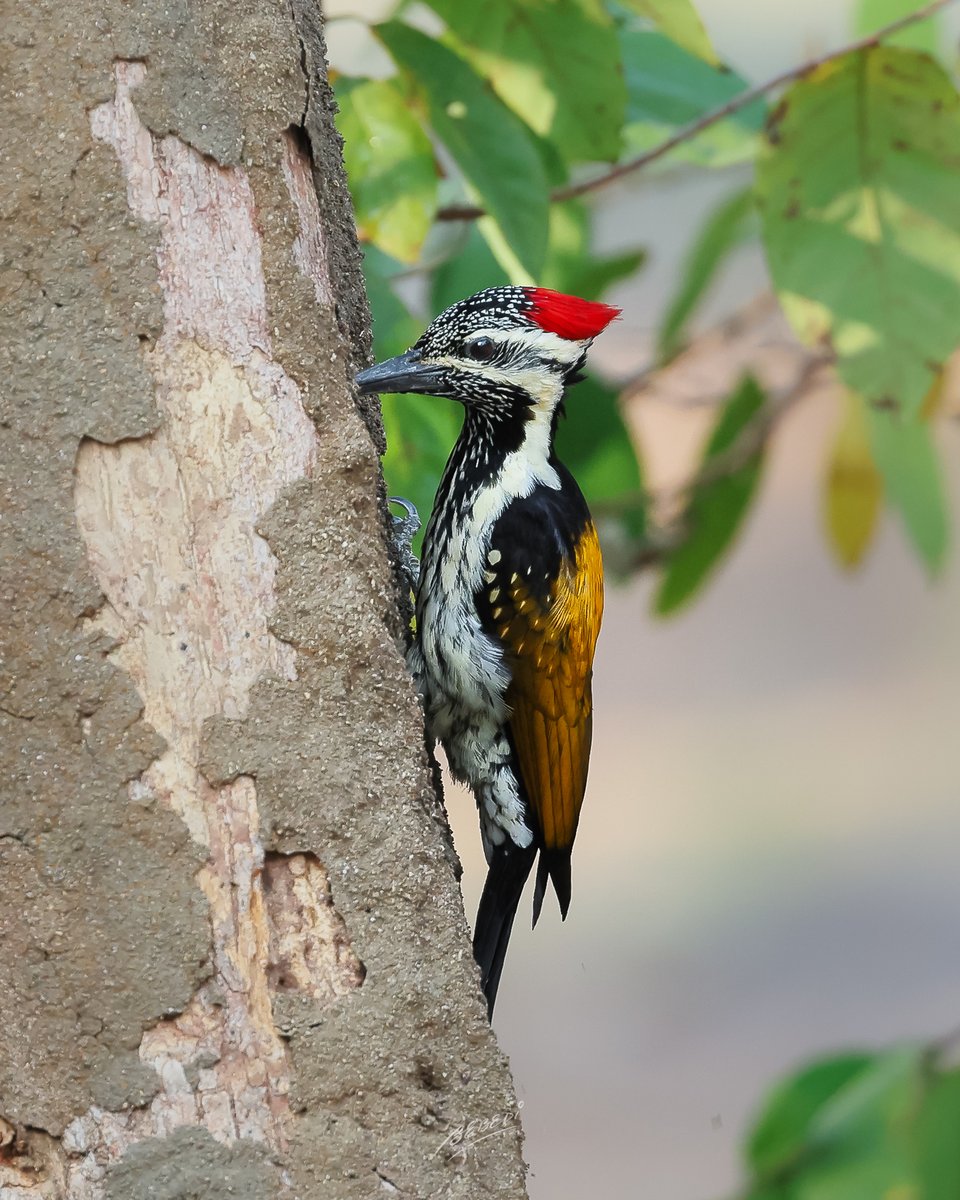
(568, 316)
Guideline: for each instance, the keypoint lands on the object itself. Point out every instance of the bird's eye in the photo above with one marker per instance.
(480, 350)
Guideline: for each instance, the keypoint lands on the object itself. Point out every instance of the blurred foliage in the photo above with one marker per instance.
(727, 227)
(854, 486)
(668, 88)
(881, 1126)
(458, 165)
(719, 498)
(872, 15)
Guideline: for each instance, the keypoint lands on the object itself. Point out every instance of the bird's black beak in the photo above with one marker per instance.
(405, 373)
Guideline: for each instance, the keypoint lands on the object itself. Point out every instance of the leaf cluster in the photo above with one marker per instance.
(860, 1126)
(502, 108)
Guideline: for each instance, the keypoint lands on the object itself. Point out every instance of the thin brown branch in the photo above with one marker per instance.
(666, 535)
(755, 436)
(725, 330)
(471, 212)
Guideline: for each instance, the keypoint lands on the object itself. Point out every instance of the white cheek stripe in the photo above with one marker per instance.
(542, 341)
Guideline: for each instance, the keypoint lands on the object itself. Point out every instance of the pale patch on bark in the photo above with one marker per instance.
(309, 249)
(303, 926)
(32, 1165)
(169, 522)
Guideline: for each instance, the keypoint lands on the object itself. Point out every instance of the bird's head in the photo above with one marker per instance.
(506, 351)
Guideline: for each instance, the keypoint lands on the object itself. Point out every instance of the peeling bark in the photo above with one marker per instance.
(169, 524)
(238, 960)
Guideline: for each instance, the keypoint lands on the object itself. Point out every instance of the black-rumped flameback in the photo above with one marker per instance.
(510, 593)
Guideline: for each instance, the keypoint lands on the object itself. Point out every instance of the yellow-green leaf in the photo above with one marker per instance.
(554, 64)
(680, 21)
(854, 486)
(872, 15)
(389, 164)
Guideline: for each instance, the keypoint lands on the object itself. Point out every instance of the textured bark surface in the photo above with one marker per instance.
(235, 957)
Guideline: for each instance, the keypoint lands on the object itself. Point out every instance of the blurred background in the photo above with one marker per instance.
(766, 867)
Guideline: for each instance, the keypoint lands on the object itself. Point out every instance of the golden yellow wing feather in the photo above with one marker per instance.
(551, 643)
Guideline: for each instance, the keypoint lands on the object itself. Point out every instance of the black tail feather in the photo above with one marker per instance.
(553, 864)
(508, 871)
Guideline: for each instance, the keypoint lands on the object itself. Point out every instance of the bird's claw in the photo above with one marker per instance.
(404, 531)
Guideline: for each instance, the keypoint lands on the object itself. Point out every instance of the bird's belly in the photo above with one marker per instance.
(464, 674)
(464, 683)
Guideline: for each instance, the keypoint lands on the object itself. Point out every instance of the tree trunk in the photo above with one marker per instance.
(235, 961)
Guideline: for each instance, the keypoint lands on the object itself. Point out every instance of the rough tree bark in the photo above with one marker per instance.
(234, 956)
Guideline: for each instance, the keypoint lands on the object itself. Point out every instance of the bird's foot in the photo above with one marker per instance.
(404, 531)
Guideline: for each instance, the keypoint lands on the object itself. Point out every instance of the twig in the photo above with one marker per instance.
(753, 438)
(667, 536)
(729, 327)
(471, 212)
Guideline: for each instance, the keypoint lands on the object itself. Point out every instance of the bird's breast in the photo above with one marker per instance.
(465, 670)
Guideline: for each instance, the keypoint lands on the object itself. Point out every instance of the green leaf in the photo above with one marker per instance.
(875, 14)
(490, 145)
(725, 229)
(837, 1131)
(593, 441)
(420, 432)
(858, 186)
(859, 1127)
(854, 486)
(874, 1096)
(554, 63)
(394, 329)
(856, 1147)
(780, 1132)
(569, 266)
(717, 507)
(668, 88)
(681, 23)
(389, 164)
(470, 270)
(907, 459)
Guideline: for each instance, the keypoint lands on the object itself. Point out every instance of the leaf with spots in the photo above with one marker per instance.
(858, 184)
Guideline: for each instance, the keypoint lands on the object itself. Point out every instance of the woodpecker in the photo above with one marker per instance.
(510, 591)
